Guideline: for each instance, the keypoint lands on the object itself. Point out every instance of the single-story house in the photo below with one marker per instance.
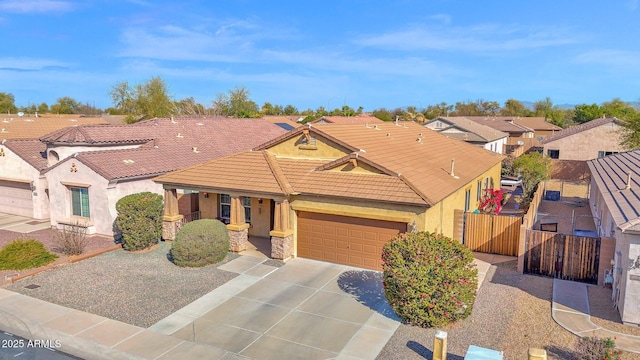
(32, 126)
(615, 204)
(470, 131)
(85, 170)
(591, 140)
(336, 192)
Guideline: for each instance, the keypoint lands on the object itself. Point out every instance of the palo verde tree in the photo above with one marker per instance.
(143, 101)
(534, 168)
(236, 103)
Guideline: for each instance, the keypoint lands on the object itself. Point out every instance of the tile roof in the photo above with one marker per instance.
(101, 134)
(610, 174)
(535, 122)
(411, 171)
(501, 123)
(31, 127)
(579, 128)
(358, 119)
(176, 144)
(30, 150)
(482, 132)
(282, 119)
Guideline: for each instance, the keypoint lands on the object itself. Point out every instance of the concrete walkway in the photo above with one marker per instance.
(570, 309)
(22, 224)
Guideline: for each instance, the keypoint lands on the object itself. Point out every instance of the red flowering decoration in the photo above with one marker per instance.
(491, 201)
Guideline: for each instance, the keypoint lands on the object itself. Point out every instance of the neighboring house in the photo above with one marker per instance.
(593, 139)
(541, 127)
(615, 203)
(87, 169)
(505, 124)
(358, 119)
(470, 131)
(33, 126)
(287, 122)
(338, 192)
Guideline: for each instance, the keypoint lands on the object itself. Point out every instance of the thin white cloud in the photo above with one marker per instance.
(31, 64)
(622, 59)
(35, 6)
(486, 38)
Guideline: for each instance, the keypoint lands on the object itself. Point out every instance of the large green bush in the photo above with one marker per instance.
(200, 243)
(24, 254)
(429, 280)
(140, 220)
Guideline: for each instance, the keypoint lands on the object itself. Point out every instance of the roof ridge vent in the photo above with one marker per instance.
(180, 135)
(195, 149)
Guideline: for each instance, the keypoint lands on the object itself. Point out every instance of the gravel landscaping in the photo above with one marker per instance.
(138, 288)
(512, 313)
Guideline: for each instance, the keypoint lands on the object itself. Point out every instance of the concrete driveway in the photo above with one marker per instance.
(22, 224)
(303, 310)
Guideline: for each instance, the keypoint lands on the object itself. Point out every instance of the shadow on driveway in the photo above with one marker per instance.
(366, 287)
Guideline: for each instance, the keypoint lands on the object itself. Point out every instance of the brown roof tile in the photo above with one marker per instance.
(482, 132)
(358, 119)
(501, 123)
(537, 123)
(578, 129)
(30, 150)
(31, 127)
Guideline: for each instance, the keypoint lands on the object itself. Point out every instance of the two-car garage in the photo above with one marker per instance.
(345, 240)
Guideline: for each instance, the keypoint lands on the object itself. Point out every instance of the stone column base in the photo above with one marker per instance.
(238, 239)
(170, 229)
(282, 247)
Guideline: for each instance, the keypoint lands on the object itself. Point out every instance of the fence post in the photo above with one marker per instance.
(440, 345)
(522, 248)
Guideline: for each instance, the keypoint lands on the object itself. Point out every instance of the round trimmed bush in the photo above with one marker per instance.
(430, 280)
(140, 220)
(24, 254)
(199, 243)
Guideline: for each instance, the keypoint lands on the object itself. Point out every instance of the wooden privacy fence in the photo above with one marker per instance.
(562, 256)
(494, 234)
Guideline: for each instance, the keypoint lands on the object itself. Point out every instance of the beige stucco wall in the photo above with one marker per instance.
(102, 195)
(208, 205)
(260, 217)
(324, 149)
(586, 144)
(13, 166)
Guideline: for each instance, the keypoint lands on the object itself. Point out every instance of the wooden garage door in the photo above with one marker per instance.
(345, 240)
(15, 198)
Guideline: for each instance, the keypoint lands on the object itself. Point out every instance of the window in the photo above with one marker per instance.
(467, 200)
(225, 207)
(479, 191)
(80, 201)
(247, 209)
(486, 183)
(554, 154)
(606, 153)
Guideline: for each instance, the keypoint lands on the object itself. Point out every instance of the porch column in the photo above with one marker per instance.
(282, 234)
(171, 220)
(238, 228)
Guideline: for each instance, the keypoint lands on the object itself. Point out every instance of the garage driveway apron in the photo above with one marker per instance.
(305, 309)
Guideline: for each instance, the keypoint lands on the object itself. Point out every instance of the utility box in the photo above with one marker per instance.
(478, 353)
(537, 354)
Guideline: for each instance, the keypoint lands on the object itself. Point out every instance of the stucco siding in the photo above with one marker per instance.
(13, 166)
(325, 149)
(585, 145)
(260, 217)
(631, 312)
(106, 223)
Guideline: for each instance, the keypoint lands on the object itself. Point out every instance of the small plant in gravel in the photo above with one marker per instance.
(430, 280)
(24, 254)
(593, 348)
(71, 239)
(200, 243)
(140, 220)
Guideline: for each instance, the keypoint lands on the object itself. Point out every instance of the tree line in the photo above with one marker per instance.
(151, 99)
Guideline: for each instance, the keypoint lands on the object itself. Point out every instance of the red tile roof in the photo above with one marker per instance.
(358, 119)
(176, 144)
(30, 127)
(30, 150)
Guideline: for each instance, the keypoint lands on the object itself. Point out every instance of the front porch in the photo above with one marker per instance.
(257, 225)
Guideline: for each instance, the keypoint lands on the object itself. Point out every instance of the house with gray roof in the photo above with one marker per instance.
(461, 128)
(615, 204)
(77, 174)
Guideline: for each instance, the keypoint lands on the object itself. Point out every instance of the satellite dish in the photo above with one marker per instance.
(520, 142)
(20, 114)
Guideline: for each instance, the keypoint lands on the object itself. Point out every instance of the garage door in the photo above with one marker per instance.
(15, 198)
(345, 240)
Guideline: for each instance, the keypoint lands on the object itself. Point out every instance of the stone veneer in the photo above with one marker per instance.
(282, 247)
(170, 229)
(238, 240)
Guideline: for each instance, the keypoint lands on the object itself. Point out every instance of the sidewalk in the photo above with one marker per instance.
(570, 309)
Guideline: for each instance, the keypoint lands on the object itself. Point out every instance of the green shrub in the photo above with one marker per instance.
(200, 243)
(24, 254)
(429, 280)
(140, 220)
(592, 348)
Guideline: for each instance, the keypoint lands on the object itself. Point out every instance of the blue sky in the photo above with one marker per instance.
(324, 53)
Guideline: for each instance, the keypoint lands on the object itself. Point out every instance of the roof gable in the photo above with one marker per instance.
(30, 150)
(476, 132)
